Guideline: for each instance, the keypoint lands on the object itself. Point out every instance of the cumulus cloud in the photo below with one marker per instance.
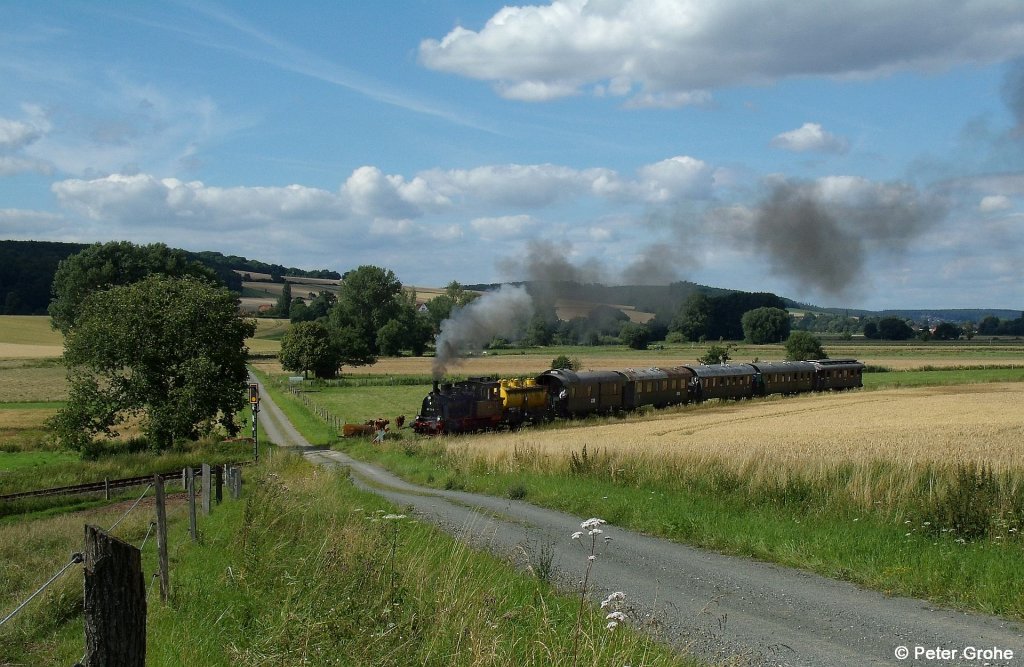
(15, 137)
(503, 227)
(664, 53)
(143, 198)
(810, 137)
(993, 203)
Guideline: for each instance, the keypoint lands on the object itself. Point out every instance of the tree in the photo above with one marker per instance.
(694, 318)
(283, 308)
(563, 361)
(765, 325)
(168, 350)
(871, 330)
(803, 345)
(947, 331)
(306, 347)
(105, 265)
(893, 328)
(989, 325)
(369, 298)
(636, 336)
(717, 354)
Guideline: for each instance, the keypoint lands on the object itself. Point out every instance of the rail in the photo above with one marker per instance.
(95, 487)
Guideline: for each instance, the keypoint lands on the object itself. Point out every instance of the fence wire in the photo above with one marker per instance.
(75, 558)
(111, 529)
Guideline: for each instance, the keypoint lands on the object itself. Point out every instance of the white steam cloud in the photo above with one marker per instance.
(502, 313)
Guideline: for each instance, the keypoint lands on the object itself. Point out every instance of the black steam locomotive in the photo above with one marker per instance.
(479, 404)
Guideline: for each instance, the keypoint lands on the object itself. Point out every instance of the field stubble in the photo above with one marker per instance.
(890, 450)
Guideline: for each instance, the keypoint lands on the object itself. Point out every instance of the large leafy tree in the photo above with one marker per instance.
(105, 265)
(168, 351)
(803, 345)
(369, 298)
(308, 346)
(765, 325)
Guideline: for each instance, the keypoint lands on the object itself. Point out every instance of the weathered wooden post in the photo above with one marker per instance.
(161, 538)
(190, 491)
(115, 602)
(206, 489)
(106, 488)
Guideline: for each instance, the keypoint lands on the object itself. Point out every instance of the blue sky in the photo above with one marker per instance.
(858, 154)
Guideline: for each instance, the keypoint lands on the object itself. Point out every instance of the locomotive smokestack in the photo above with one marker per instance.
(437, 389)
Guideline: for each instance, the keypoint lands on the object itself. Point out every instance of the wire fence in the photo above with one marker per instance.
(78, 558)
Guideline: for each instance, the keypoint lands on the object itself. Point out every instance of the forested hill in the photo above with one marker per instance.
(27, 269)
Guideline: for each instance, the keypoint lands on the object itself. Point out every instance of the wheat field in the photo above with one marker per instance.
(970, 423)
(890, 433)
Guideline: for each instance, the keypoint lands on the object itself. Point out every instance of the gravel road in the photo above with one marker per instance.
(721, 608)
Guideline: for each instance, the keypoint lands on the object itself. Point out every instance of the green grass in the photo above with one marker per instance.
(28, 330)
(307, 570)
(942, 377)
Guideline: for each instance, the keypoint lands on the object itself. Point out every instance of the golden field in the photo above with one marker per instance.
(878, 451)
(968, 423)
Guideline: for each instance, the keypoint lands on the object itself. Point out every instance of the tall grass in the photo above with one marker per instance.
(310, 570)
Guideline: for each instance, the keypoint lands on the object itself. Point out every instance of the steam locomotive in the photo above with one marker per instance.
(479, 404)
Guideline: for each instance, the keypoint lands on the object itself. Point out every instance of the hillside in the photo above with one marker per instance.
(27, 269)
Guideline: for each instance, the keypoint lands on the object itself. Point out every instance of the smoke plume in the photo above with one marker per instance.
(821, 234)
(547, 264)
(505, 313)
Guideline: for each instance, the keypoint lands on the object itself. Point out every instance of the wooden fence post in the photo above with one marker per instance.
(161, 538)
(115, 602)
(190, 491)
(206, 489)
(106, 488)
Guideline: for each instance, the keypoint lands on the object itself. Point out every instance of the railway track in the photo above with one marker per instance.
(99, 487)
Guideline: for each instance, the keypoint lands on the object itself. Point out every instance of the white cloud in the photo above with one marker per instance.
(503, 227)
(21, 223)
(672, 51)
(810, 137)
(15, 137)
(676, 178)
(993, 203)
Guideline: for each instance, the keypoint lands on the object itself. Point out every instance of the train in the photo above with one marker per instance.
(488, 403)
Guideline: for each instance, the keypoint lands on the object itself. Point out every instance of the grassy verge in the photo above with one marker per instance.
(309, 570)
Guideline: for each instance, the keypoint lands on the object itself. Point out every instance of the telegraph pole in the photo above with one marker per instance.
(254, 403)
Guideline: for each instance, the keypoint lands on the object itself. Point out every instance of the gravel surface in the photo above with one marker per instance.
(721, 608)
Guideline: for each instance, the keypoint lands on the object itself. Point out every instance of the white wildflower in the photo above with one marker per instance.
(595, 531)
(611, 625)
(591, 557)
(617, 596)
(394, 516)
(592, 523)
(577, 535)
(616, 616)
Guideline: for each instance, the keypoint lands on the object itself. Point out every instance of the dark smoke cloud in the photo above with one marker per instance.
(822, 234)
(548, 263)
(656, 266)
(802, 241)
(505, 313)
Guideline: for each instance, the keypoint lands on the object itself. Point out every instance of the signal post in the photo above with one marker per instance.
(254, 403)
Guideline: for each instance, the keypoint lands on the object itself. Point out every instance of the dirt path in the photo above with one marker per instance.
(719, 607)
